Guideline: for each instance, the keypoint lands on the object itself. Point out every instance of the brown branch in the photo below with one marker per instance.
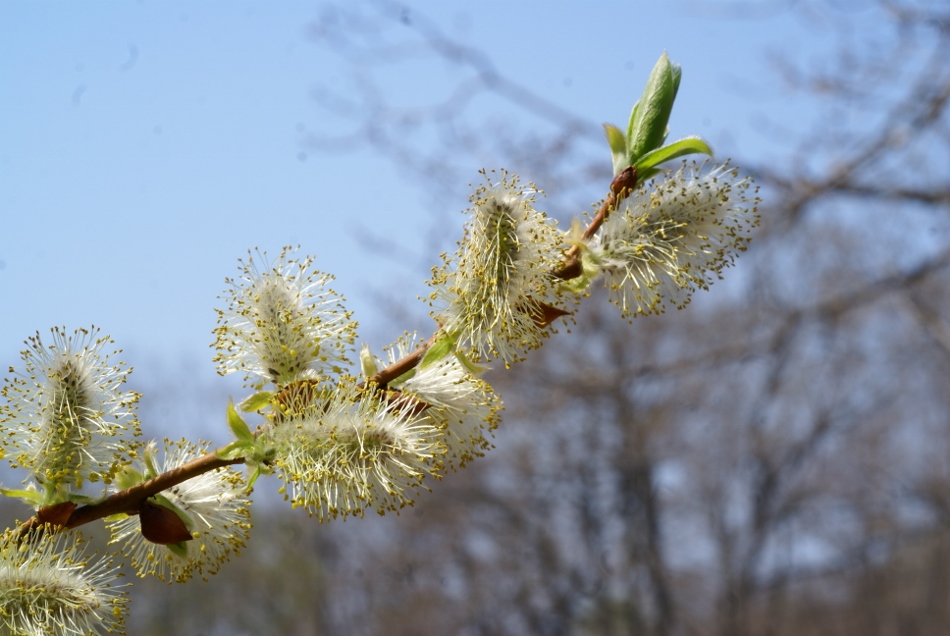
(620, 188)
(130, 500)
(404, 365)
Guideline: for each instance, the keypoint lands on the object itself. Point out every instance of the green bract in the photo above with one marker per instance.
(439, 349)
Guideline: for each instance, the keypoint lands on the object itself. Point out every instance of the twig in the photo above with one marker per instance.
(130, 500)
(620, 188)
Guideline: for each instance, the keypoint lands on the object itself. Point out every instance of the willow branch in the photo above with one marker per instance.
(129, 501)
(620, 188)
(407, 363)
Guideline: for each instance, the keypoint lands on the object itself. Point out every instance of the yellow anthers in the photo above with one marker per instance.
(492, 291)
(349, 451)
(67, 418)
(674, 236)
(282, 323)
(217, 512)
(49, 585)
(459, 404)
(295, 398)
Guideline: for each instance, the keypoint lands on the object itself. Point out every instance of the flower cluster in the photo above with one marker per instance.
(49, 585)
(459, 403)
(282, 323)
(67, 419)
(212, 506)
(344, 449)
(495, 293)
(672, 237)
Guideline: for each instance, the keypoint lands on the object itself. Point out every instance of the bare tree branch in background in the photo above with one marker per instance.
(380, 39)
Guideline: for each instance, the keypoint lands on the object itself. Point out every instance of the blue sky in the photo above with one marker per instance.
(145, 146)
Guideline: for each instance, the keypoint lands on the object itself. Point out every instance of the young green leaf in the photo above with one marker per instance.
(471, 367)
(257, 401)
(32, 497)
(680, 148)
(368, 362)
(237, 425)
(178, 549)
(253, 478)
(439, 349)
(408, 375)
(648, 122)
(618, 147)
(128, 477)
(235, 450)
(633, 119)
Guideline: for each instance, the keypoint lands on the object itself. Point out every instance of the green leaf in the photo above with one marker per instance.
(234, 450)
(259, 457)
(675, 150)
(470, 366)
(616, 139)
(237, 425)
(257, 401)
(261, 452)
(439, 349)
(649, 119)
(577, 285)
(32, 497)
(179, 549)
(78, 498)
(148, 458)
(258, 471)
(128, 477)
(633, 119)
(618, 147)
(262, 469)
(677, 71)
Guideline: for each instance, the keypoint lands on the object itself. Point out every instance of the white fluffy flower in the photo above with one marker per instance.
(674, 236)
(462, 405)
(215, 511)
(492, 295)
(49, 585)
(282, 323)
(67, 419)
(342, 451)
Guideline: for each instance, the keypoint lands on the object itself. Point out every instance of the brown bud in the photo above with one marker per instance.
(547, 314)
(57, 514)
(161, 525)
(624, 183)
(410, 402)
(571, 268)
(296, 397)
